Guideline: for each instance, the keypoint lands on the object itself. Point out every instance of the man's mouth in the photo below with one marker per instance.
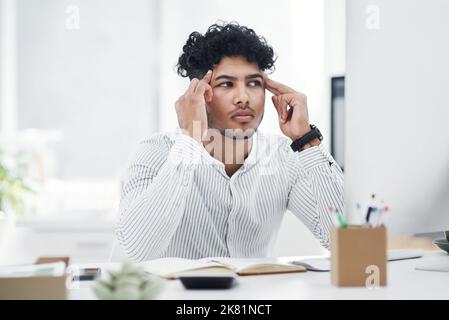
(243, 116)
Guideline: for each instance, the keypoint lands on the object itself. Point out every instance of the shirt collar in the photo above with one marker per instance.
(249, 162)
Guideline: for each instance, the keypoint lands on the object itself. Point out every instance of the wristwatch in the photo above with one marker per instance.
(314, 133)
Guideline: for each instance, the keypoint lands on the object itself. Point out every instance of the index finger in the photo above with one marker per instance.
(207, 77)
(276, 87)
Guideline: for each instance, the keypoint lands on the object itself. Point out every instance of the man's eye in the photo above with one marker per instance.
(255, 83)
(226, 84)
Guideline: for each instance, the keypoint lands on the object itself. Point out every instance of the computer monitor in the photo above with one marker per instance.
(397, 111)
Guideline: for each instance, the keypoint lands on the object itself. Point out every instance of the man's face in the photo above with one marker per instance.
(239, 95)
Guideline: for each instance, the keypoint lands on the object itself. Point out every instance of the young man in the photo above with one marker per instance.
(218, 187)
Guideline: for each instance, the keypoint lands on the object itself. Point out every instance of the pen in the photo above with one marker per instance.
(341, 219)
(378, 217)
(370, 209)
(374, 217)
(368, 214)
(337, 218)
(334, 217)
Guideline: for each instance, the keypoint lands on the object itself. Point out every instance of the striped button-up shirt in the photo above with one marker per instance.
(178, 201)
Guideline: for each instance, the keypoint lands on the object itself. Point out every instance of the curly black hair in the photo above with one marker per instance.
(202, 52)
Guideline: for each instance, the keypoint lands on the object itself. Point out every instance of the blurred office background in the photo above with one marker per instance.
(83, 81)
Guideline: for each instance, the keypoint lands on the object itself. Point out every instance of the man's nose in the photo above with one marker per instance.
(241, 96)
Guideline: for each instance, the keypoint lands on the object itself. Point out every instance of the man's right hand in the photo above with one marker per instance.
(191, 107)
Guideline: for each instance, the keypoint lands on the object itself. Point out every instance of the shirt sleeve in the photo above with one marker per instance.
(153, 195)
(317, 184)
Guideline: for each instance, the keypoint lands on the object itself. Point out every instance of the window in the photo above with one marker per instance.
(84, 96)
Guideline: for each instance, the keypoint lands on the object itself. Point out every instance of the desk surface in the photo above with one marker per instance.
(404, 282)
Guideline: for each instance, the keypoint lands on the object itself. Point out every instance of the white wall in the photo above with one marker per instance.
(8, 67)
(97, 84)
(335, 37)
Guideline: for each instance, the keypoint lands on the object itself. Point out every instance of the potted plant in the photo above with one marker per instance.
(129, 283)
(16, 189)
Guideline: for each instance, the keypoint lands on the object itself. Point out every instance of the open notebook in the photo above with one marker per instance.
(171, 268)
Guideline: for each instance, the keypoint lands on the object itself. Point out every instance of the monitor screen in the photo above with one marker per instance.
(397, 112)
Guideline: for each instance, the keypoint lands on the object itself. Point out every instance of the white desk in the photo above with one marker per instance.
(404, 282)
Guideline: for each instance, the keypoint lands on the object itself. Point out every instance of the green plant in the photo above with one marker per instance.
(15, 185)
(130, 283)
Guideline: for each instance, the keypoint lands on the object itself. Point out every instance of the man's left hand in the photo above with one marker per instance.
(291, 107)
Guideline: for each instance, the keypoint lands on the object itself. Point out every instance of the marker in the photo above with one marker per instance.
(374, 217)
(379, 215)
(368, 214)
(370, 209)
(341, 219)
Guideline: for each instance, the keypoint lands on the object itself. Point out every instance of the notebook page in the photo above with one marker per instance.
(167, 266)
(242, 263)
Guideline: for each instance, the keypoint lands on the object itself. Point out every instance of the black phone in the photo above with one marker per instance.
(208, 281)
(87, 274)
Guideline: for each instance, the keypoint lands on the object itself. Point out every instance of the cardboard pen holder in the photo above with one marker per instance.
(359, 256)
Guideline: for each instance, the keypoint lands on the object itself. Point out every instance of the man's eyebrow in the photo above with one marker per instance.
(227, 77)
(254, 75)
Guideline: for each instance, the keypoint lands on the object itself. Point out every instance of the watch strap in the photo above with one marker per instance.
(314, 133)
